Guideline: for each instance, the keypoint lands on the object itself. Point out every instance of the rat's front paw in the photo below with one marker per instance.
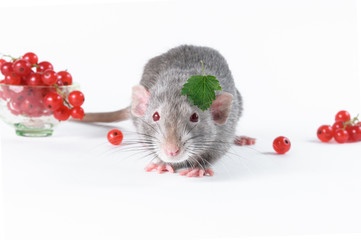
(243, 140)
(159, 167)
(196, 172)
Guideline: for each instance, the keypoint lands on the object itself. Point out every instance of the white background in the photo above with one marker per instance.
(296, 63)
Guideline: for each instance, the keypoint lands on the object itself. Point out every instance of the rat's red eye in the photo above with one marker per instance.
(156, 116)
(194, 117)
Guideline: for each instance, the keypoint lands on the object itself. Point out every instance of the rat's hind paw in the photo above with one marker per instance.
(196, 172)
(160, 168)
(243, 140)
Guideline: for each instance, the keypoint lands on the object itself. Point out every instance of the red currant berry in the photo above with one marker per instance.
(21, 67)
(64, 78)
(156, 117)
(31, 58)
(62, 113)
(281, 145)
(76, 98)
(12, 79)
(342, 116)
(355, 133)
(53, 100)
(341, 136)
(115, 136)
(337, 125)
(77, 113)
(324, 133)
(6, 68)
(14, 107)
(2, 61)
(49, 77)
(34, 79)
(194, 117)
(29, 105)
(349, 129)
(43, 66)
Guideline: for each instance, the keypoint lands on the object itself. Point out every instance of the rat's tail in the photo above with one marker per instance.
(116, 116)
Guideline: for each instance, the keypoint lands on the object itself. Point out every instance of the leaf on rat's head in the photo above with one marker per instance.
(201, 90)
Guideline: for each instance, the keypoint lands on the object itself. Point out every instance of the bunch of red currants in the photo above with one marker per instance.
(343, 130)
(34, 89)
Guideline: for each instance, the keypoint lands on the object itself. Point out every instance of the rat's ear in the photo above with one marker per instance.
(221, 107)
(140, 98)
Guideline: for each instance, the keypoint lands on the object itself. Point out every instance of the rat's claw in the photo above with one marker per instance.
(209, 172)
(161, 168)
(196, 172)
(169, 168)
(185, 172)
(150, 167)
(243, 140)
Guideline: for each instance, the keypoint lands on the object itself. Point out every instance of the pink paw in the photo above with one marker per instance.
(243, 140)
(196, 172)
(160, 168)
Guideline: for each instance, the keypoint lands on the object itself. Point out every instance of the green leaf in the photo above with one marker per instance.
(201, 90)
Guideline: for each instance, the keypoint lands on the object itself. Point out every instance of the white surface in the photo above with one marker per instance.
(295, 63)
(76, 186)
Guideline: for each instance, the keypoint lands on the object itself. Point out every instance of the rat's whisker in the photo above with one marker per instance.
(160, 129)
(191, 129)
(148, 124)
(198, 163)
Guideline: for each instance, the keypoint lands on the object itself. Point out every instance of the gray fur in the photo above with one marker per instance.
(164, 77)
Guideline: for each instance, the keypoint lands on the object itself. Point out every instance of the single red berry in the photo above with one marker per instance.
(30, 105)
(115, 136)
(343, 116)
(77, 113)
(156, 116)
(26, 105)
(12, 79)
(43, 66)
(53, 100)
(324, 133)
(49, 77)
(6, 68)
(31, 58)
(355, 133)
(76, 98)
(281, 145)
(341, 135)
(64, 78)
(2, 61)
(62, 113)
(348, 128)
(337, 125)
(14, 107)
(34, 79)
(21, 67)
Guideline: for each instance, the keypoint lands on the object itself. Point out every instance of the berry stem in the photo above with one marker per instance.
(9, 56)
(351, 122)
(62, 95)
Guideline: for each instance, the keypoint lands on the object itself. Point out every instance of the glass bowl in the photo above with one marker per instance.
(22, 107)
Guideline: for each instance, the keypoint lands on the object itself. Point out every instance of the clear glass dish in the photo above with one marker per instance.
(22, 107)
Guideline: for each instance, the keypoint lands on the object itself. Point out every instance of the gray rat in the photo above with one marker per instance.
(179, 134)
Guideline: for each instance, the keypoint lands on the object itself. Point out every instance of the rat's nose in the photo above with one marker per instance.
(171, 150)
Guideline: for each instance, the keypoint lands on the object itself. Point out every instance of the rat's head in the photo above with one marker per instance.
(173, 127)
